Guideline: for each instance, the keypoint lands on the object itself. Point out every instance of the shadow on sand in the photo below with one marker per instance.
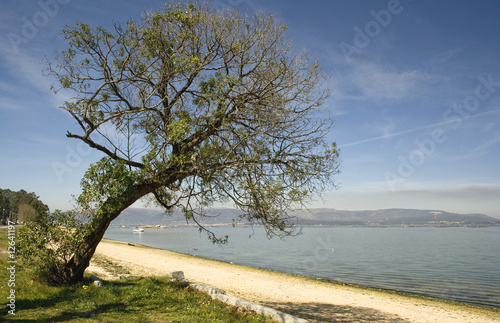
(317, 312)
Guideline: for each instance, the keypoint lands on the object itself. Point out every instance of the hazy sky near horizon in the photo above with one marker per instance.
(415, 97)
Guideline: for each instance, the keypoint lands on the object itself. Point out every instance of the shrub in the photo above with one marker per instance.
(48, 244)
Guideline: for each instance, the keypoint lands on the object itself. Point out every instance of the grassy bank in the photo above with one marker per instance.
(140, 299)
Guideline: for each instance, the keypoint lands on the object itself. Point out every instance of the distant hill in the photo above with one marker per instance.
(141, 217)
(390, 217)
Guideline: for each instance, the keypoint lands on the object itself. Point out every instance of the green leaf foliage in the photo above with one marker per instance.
(48, 245)
(11, 201)
(192, 106)
(104, 180)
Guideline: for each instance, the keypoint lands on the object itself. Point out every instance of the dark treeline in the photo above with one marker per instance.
(20, 206)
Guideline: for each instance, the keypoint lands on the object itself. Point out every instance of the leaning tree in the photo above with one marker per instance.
(193, 106)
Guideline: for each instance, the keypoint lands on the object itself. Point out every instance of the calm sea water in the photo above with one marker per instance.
(458, 264)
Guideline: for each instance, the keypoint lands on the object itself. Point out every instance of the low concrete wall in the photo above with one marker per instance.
(259, 309)
(220, 295)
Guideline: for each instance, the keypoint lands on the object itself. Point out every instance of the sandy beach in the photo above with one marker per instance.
(311, 299)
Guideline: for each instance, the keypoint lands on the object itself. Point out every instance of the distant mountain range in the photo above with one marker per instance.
(327, 217)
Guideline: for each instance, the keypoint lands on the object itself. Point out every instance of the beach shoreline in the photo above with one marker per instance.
(309, 298)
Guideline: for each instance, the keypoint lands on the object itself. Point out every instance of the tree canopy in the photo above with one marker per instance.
(21, 205)
(192, 107)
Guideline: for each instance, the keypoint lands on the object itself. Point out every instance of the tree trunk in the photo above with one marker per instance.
(80, 261)
(109, 211)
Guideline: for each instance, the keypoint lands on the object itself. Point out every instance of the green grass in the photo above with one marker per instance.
(139, 299)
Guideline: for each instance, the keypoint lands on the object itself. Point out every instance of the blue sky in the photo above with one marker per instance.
(416, 97)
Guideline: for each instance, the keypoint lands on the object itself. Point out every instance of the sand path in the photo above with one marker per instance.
(315, 300)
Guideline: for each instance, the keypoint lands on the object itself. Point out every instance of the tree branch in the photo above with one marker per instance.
(105, 150)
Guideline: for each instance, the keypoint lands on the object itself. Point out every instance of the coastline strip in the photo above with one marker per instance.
(308, 298)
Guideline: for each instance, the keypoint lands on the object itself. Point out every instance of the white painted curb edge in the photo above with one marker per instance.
(220, 295)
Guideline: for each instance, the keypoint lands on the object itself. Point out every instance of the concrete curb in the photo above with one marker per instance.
(220, 295)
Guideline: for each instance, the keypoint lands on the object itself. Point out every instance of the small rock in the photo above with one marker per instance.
(96, 281)
(177, 275)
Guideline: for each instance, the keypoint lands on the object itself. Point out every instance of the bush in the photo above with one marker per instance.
(48, 244)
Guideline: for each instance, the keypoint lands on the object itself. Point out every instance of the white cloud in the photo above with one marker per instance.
(386, 134)
(7, 87)
(362, 160)
(11, 104)
(373, 80)
(26, 69)
(443, 57)
(385, 127)
(481, 150)
(26, 75)
(378, 82)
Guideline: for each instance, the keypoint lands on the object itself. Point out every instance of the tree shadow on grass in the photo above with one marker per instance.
(65, 294)
(318, 312)
(72, 315)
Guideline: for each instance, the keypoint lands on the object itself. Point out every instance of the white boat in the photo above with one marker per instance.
(139, 230)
